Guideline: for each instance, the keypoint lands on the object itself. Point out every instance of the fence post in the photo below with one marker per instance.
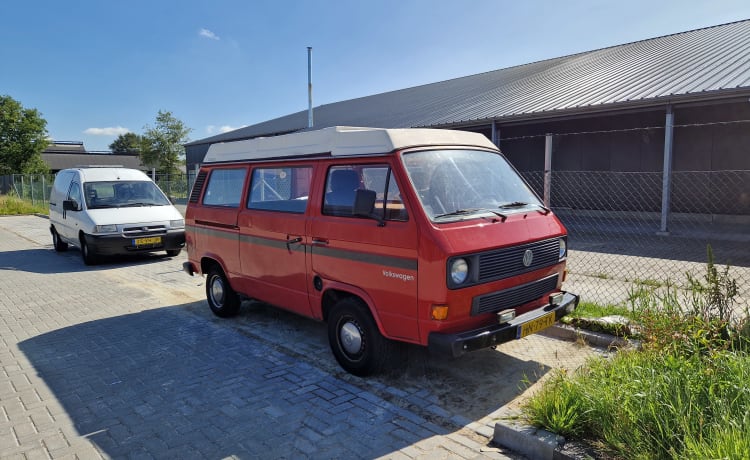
(666, 185)
(547, 169)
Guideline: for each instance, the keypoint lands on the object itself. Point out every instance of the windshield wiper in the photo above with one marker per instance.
(460, 212)
(519, 204)
(130, 205)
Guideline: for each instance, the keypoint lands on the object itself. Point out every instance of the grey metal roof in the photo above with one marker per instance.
(62, 160)
(709, 62)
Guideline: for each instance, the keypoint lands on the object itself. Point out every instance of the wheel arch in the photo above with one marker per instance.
(334, 294)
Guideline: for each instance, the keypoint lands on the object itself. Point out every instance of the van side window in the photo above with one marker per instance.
(224, 188)
(342, 184)
(75, 193)
(280, 189)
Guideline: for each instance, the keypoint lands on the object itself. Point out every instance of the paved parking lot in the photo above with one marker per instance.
(124, 360)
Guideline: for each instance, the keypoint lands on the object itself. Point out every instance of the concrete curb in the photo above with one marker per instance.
(597, 339)
(535, 442)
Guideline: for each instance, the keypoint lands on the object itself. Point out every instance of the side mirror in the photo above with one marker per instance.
(364, 205)
(71, 205)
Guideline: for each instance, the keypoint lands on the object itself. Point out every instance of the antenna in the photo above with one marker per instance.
(309, 88)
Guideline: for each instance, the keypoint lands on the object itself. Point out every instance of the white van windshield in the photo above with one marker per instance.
(466, 184)
(119, 194)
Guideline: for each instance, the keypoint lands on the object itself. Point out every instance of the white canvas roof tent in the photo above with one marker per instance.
(341, 141)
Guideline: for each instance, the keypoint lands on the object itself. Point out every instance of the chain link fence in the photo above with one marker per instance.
(616, 240)
(36, 188)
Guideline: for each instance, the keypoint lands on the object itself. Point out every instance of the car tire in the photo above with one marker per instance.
(88, 255)
(60, 245)
(173, 252)
(222, 299)
(356, 341)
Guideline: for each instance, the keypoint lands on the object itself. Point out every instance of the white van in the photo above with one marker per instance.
(109, 210)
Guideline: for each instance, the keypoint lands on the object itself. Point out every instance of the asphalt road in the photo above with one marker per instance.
(124, 360)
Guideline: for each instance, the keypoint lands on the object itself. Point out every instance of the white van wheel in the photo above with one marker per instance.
(222, 299)
(89, 257)
(355, 340)
(60, 245)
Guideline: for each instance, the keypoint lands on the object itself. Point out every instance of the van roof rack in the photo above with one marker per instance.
(341, 141)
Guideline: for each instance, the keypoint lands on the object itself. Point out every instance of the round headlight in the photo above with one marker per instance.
(459, 271)
(563, 249)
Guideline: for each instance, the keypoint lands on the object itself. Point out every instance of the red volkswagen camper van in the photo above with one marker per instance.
(423, 236)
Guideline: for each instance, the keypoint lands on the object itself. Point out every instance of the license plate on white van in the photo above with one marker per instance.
(150, 241)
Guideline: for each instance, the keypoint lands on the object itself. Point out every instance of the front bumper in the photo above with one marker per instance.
(117, 244)
(459, 343)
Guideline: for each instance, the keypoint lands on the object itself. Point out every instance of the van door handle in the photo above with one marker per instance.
(292, 241)
(320, 241)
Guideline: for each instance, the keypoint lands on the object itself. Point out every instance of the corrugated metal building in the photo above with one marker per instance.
(61, 155)
(679, 102)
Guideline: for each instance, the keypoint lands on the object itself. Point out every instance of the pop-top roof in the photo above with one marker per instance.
(341, 141)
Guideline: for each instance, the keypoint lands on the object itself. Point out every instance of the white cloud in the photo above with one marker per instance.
(110, 131)
(208, 34)
(211, 129)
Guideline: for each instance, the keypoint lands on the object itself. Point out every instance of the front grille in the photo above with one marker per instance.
(144, 230)
(507, 262)
(513, 297)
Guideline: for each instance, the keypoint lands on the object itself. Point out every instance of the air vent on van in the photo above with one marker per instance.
(195, 194)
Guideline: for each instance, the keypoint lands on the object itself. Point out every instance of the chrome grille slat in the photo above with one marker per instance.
(512, 297)
(144, 230)
(507, 262)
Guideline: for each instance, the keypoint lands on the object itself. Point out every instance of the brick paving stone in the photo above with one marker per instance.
(123, 359)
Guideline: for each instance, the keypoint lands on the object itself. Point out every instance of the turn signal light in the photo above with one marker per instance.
(439, 312)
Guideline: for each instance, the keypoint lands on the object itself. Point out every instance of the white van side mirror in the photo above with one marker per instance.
(71, 205)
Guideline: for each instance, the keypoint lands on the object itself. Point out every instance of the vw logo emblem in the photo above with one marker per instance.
(528, 256)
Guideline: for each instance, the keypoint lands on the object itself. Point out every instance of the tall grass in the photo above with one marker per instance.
(10, 206)
(685, 394)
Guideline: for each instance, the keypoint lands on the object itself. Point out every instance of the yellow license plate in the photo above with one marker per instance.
(536, 325)
(151, 241)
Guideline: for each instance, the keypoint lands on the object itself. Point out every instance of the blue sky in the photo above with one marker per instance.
(98, 68)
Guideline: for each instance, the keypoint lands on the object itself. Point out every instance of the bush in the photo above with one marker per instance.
(683, 395)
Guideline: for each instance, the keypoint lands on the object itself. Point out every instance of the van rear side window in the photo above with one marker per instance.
(280, 189)
(225, 188)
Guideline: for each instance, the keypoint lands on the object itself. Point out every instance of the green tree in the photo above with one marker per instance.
(23, 137)
(127, 143)
(163, 143)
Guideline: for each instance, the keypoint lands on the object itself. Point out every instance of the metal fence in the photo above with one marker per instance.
(36, 188)
(615, 229)
(614, 223)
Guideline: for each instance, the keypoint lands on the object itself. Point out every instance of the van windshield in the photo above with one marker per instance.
(119, 194)
(467, 184)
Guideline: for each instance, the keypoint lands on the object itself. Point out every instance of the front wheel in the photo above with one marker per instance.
(173, 252)
(88, 255)
(355, 339)
(222, 299)
(60, 245)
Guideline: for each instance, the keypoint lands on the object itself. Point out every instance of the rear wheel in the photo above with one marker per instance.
(89, 255)
(222, 299)
(60, 245)
(356, 341)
